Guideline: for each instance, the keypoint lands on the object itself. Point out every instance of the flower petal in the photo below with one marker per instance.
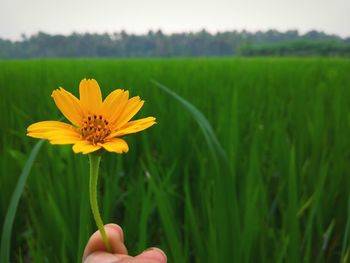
(115, 145)
(114, 104)
(69, 105)
(134, 126)
(112, 101)
(90, 95)
(85, 147)
(131, 108)
(54, 131)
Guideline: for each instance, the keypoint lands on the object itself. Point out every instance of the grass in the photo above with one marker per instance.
(281, 196)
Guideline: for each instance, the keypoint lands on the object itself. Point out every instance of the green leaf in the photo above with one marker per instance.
(214, 145)
(11, 211)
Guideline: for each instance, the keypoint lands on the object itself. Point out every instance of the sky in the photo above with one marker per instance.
(139, 16)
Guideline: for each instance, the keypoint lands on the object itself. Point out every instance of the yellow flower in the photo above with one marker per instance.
(96, 124)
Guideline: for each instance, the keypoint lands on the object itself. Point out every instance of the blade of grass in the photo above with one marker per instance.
(209, 135)
(292, 211)
(11, 211)
(222, 218)
(166, 210)
(346, 234)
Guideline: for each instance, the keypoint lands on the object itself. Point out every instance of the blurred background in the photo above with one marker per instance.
(249, 161)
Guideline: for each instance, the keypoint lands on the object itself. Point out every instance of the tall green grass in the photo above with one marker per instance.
(283, 124)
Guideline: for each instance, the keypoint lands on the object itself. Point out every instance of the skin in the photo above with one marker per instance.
(95, 251)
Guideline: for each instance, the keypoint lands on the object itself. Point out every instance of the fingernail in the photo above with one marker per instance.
(117, 228)
(121, 233)
(162, 256)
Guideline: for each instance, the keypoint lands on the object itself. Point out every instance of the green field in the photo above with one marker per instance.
(281, 194)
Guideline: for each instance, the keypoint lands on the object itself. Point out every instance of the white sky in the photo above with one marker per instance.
(139, 16)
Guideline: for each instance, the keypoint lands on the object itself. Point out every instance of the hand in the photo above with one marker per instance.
(95, 251)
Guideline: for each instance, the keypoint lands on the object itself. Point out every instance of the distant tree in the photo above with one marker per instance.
(158, 44)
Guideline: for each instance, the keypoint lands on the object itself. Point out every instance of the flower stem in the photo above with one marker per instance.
(94, 167)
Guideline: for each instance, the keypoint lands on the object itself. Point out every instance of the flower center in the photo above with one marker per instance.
(95, 128)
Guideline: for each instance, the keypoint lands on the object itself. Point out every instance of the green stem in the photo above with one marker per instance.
(94, 167)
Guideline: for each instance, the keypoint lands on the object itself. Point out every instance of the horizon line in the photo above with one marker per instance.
(22, 36)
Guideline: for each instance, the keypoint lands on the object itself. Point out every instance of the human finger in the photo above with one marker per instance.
(115, 237)
(105, 257)
(153, 254)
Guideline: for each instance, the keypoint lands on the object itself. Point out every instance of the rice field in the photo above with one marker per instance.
(264, 177)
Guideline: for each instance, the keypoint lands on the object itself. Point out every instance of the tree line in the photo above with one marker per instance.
(158, 44)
